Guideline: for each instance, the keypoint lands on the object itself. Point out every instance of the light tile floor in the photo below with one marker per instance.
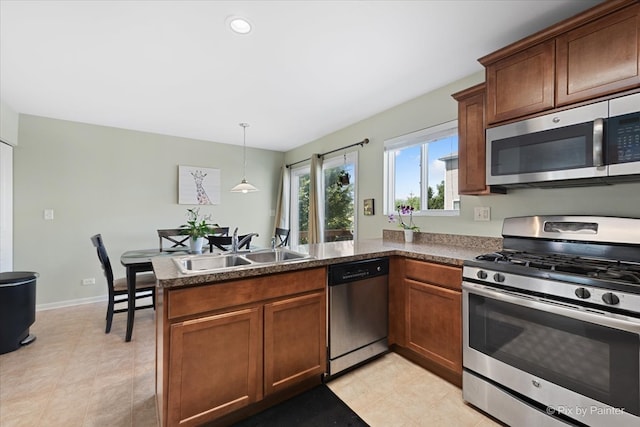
(76, 375)
(392, 391)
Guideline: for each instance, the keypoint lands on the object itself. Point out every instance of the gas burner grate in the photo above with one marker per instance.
(625, 276)
(588, 267)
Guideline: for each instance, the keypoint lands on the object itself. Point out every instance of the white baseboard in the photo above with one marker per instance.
(81, 301)
(70, 303)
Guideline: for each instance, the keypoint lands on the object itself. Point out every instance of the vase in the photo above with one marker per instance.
(408, 236)
(195, 244)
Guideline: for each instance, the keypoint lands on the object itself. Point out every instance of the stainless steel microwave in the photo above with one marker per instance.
(596, 142)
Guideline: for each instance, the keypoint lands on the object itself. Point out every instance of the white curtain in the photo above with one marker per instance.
(315, 201)
(283, 201)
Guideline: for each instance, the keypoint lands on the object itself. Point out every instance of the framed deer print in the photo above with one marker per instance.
(198, 186)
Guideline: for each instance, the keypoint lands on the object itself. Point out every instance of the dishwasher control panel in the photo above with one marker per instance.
(357, 270)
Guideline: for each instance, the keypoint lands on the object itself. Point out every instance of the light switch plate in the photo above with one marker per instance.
(482, 213)
(48, 214)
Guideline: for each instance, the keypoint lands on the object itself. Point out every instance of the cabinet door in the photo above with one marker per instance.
(215, 366)
(434, 323)
(471, 141)
(294, 341)
(599, 58)
(521, 84)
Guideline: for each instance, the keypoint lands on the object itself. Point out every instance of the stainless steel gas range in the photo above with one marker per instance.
(551, 332)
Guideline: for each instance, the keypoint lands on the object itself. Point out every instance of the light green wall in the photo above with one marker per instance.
(435, 108)
(8, 124)
(122, 184)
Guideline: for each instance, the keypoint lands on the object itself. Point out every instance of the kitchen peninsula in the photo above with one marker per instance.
(234, 342)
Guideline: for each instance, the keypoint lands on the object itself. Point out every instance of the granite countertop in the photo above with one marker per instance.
(440, 248)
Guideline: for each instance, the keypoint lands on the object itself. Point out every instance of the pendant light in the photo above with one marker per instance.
(244, 186)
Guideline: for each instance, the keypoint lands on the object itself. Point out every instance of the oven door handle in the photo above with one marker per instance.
(611, 320)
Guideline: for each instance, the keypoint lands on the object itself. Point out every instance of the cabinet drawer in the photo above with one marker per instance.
(437, 274)
(217, 296)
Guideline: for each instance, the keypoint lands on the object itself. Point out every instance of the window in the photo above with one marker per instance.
(299, 205)
(339, 176)
(338, 197)
(421, 170)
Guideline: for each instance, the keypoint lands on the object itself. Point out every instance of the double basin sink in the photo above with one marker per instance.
(225, 262)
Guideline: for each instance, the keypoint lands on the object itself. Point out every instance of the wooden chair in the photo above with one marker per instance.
(224, 242)
(282, 237)
(175, 236)
(145, 285)
(220, 231)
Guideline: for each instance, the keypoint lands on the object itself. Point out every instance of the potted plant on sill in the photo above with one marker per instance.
(197, 228)
(409, 227)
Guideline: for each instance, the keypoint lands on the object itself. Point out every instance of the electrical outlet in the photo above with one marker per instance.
(482, 213)
(89, 281)
(48, 214)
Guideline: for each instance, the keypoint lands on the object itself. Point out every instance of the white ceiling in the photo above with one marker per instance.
(307, 69)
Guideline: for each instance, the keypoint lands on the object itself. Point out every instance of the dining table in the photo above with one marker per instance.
(139, 261)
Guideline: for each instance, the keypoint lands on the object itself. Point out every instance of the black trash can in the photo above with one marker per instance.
(17, 309)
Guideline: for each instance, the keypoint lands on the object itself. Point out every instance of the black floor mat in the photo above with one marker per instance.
(318, 407)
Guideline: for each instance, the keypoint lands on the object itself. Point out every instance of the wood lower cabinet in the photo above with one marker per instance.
(599, 58)
(215, 366)
(471, 141)
(434, 324)
(294, 341)
(430, 330)
(225, 346)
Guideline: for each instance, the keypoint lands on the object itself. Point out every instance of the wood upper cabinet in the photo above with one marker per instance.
(589, 55)
(599, 58)
(521, 84)
(215, 366)
(294, 341)
(471, 140)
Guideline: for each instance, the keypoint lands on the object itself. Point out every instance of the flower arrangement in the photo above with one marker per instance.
(404, 210)
(197, 226)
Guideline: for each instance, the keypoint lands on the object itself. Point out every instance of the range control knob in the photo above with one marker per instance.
(610, 298)
(498, 277)
(583, 293)
(481, 274)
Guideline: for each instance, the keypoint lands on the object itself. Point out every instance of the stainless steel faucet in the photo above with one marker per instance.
(235, 244)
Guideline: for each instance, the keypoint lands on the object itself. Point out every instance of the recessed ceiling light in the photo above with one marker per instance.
(239, 25)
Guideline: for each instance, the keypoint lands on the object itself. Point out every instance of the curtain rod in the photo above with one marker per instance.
(361, 143)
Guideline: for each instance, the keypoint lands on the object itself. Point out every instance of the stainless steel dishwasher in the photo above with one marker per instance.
(358, 312)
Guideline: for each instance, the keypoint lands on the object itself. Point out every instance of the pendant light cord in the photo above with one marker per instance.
(244, 186)
(244, 150)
